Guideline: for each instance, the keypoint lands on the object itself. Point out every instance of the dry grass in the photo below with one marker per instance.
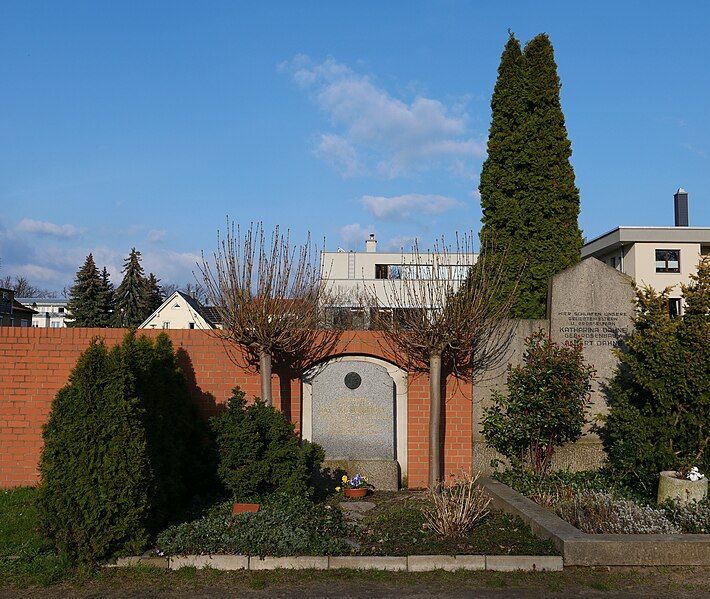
(456, 508)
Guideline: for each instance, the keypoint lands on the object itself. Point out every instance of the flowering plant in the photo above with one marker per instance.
(356, 482)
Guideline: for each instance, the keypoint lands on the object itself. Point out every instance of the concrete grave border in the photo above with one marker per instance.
(581, 549)
(411, 563)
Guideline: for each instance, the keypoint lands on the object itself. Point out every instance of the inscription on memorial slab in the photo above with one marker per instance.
(592, 302)
(353, 407)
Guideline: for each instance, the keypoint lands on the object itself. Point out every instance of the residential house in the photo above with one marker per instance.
(12, 312)
(182, 311)
(50, 312)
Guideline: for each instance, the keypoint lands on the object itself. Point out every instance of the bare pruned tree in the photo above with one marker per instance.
(437, 314)
(269, 299)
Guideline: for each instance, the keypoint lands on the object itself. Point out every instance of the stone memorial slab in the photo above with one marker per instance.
(353, 411)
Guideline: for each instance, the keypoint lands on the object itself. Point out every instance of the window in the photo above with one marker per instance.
(667, 260)
(459, 273)
(613, 262)
(54, 325)
(674, 306)
(346, 318)
(166, 324)
(24, 323)
(191, 325)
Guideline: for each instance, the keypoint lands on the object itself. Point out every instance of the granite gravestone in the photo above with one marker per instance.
(353, 411)
(593, 303)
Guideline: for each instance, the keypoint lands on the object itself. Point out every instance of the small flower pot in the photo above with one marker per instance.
(244, 508)
(682, 490)
(356, 493)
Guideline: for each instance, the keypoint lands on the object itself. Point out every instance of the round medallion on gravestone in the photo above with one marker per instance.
(352, 380)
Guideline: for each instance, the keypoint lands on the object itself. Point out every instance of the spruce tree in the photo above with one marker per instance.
(86, 297)
(130, 297)
(529, 198)
(107, 307)
(153, 294)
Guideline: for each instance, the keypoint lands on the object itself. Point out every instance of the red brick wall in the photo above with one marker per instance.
(35, 363)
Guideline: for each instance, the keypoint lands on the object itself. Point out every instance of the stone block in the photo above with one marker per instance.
(298, 562)
(528, 563)
(366, 562)
(216, 562)
(450, 563)
(153, 561)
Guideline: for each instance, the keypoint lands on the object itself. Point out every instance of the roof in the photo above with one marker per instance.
(207, 314)
(18, 307)
(43, 301)
(626, 235)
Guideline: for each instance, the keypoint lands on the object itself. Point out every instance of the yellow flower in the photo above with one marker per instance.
(345, 478)
(337, 489)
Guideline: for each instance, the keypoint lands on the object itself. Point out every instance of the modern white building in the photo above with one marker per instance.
(350, 276)
(658, 257)
(51, 312)
(181, 311)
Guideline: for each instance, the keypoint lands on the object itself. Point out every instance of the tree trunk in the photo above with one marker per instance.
(434, 420)
(265, 372)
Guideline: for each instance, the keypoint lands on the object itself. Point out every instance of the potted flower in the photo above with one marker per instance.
(684, 486)
(355, 487)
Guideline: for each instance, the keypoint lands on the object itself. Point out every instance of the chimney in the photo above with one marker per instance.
(371, 244)
(680, 200)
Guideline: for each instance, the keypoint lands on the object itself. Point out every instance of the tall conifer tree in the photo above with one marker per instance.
(153, 294)
(86, 297)
(107, 310)
(529, 198)
(130, 297)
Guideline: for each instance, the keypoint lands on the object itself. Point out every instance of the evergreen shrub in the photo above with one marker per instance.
(286, 525)
(260, 453)
(546, 405)
(659, 398)
(116, 459)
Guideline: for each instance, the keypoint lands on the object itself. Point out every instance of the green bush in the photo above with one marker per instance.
(659, 398)
(692, 518)
(286, 525)
(546, 404)
(116, 457)
(260, 453)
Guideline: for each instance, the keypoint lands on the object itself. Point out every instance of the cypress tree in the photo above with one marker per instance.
(86, 297)
(130, 298)
(529, 198)
(499, 186)
(551, 199)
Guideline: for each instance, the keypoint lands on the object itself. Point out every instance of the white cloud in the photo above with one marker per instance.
(36, 272)
(403, 243)
(339, 153)
(409, 205)
(45, 228)
(156, 235)
(397, 136)
(354, 234)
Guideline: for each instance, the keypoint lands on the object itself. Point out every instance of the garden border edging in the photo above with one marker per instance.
(581, 549)
(411, 563)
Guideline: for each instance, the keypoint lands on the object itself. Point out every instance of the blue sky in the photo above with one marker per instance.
(147, 123)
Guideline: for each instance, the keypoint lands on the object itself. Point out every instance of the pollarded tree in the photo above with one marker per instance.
(87, 297)
(268, 296)
(437, 320)
(130, 298)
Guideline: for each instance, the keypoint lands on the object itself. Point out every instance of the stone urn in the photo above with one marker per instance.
(682, 490)
(358, 493)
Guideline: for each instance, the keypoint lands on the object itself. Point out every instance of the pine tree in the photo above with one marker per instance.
(108, 291)
(86, 297)
(529, 198)
(153, 294)
(130, 297)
